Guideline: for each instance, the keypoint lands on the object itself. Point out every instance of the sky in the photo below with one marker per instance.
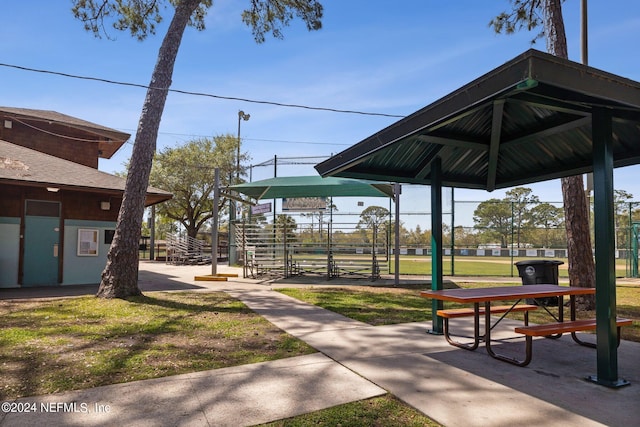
(371, 56)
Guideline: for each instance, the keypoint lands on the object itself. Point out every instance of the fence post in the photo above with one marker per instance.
(397, 189)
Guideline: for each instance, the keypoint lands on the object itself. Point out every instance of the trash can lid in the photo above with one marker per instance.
(539, 261)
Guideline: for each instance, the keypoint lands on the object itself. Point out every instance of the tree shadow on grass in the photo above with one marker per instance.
(71, 346)
(220, 302)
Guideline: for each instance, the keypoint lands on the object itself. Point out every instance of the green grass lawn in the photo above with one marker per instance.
(383, 306)
(55, 345)
(479, 266)
(462, 265)
(383, 411)
(375, 306)
(49, 346)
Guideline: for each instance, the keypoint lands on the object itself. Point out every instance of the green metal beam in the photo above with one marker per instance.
(452, 142)
(606, 330)
(565, 127)
(496, 136)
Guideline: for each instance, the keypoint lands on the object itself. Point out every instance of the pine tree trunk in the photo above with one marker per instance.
(581, 264)
(120, 276)
(576, 213)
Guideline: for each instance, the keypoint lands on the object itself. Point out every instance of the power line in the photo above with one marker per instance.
(57, 135)
(228, 98)
(292, 161)
(296, 142)
(281, 141)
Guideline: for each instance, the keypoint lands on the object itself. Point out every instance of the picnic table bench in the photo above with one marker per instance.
(486, 296)
(556, 329)
(453, 313)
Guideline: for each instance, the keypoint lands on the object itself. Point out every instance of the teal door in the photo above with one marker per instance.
(41, 243)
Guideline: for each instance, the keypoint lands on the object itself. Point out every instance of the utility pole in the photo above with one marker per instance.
(233, 250)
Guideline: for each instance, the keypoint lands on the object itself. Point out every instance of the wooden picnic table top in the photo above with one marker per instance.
(501, 293)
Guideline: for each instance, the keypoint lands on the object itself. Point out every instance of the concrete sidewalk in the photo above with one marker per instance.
(357, 361)
(238, 396)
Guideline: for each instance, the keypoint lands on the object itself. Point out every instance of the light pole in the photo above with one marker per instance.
(233, 250)
(245, 117)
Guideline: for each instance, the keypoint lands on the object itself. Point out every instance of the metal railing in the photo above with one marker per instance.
(186, 250)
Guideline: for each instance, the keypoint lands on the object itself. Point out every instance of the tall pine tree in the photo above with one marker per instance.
(120, 276)
(547, 14)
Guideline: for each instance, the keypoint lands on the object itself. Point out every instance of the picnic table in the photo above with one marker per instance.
(488, 295)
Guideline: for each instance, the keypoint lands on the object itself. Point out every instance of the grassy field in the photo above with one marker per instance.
(480, 266)
(462, 265)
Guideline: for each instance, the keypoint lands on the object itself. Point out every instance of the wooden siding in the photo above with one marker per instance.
(10, 201)
(75, 204)
(55, 139)
(86, 206)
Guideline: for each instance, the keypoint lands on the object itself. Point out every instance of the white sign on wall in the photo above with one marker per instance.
(87, 242)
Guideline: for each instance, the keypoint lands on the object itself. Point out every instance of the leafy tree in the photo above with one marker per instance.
(547, 219)
(373, 221)
(285, 225)
(188, 172)
(164, 226)
(140, 17)
(418, 236)
(465, 238)
(622, 205)
(330, 206)
(339, 237)
(494, 218)
(521, 198)
(547, 14)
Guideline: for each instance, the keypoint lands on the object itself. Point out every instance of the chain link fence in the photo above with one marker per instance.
(487, 238)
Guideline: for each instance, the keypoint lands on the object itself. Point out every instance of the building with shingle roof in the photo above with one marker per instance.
(58, 212)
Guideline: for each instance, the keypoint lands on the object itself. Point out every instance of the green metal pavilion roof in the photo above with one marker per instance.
(312, 186)
(528, 120)
(535, 118)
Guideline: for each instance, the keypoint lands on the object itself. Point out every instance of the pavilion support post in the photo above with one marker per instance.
(329, 240)
(436, 242)
(606, 330)
(397, 190)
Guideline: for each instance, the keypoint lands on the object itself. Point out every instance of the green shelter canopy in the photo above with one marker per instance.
(535, 118)
(527, 121)
(312, 186)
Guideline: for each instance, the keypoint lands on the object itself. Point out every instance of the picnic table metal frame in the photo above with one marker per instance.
(476, 296)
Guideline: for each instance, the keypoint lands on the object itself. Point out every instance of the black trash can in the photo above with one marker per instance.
(540, 271)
